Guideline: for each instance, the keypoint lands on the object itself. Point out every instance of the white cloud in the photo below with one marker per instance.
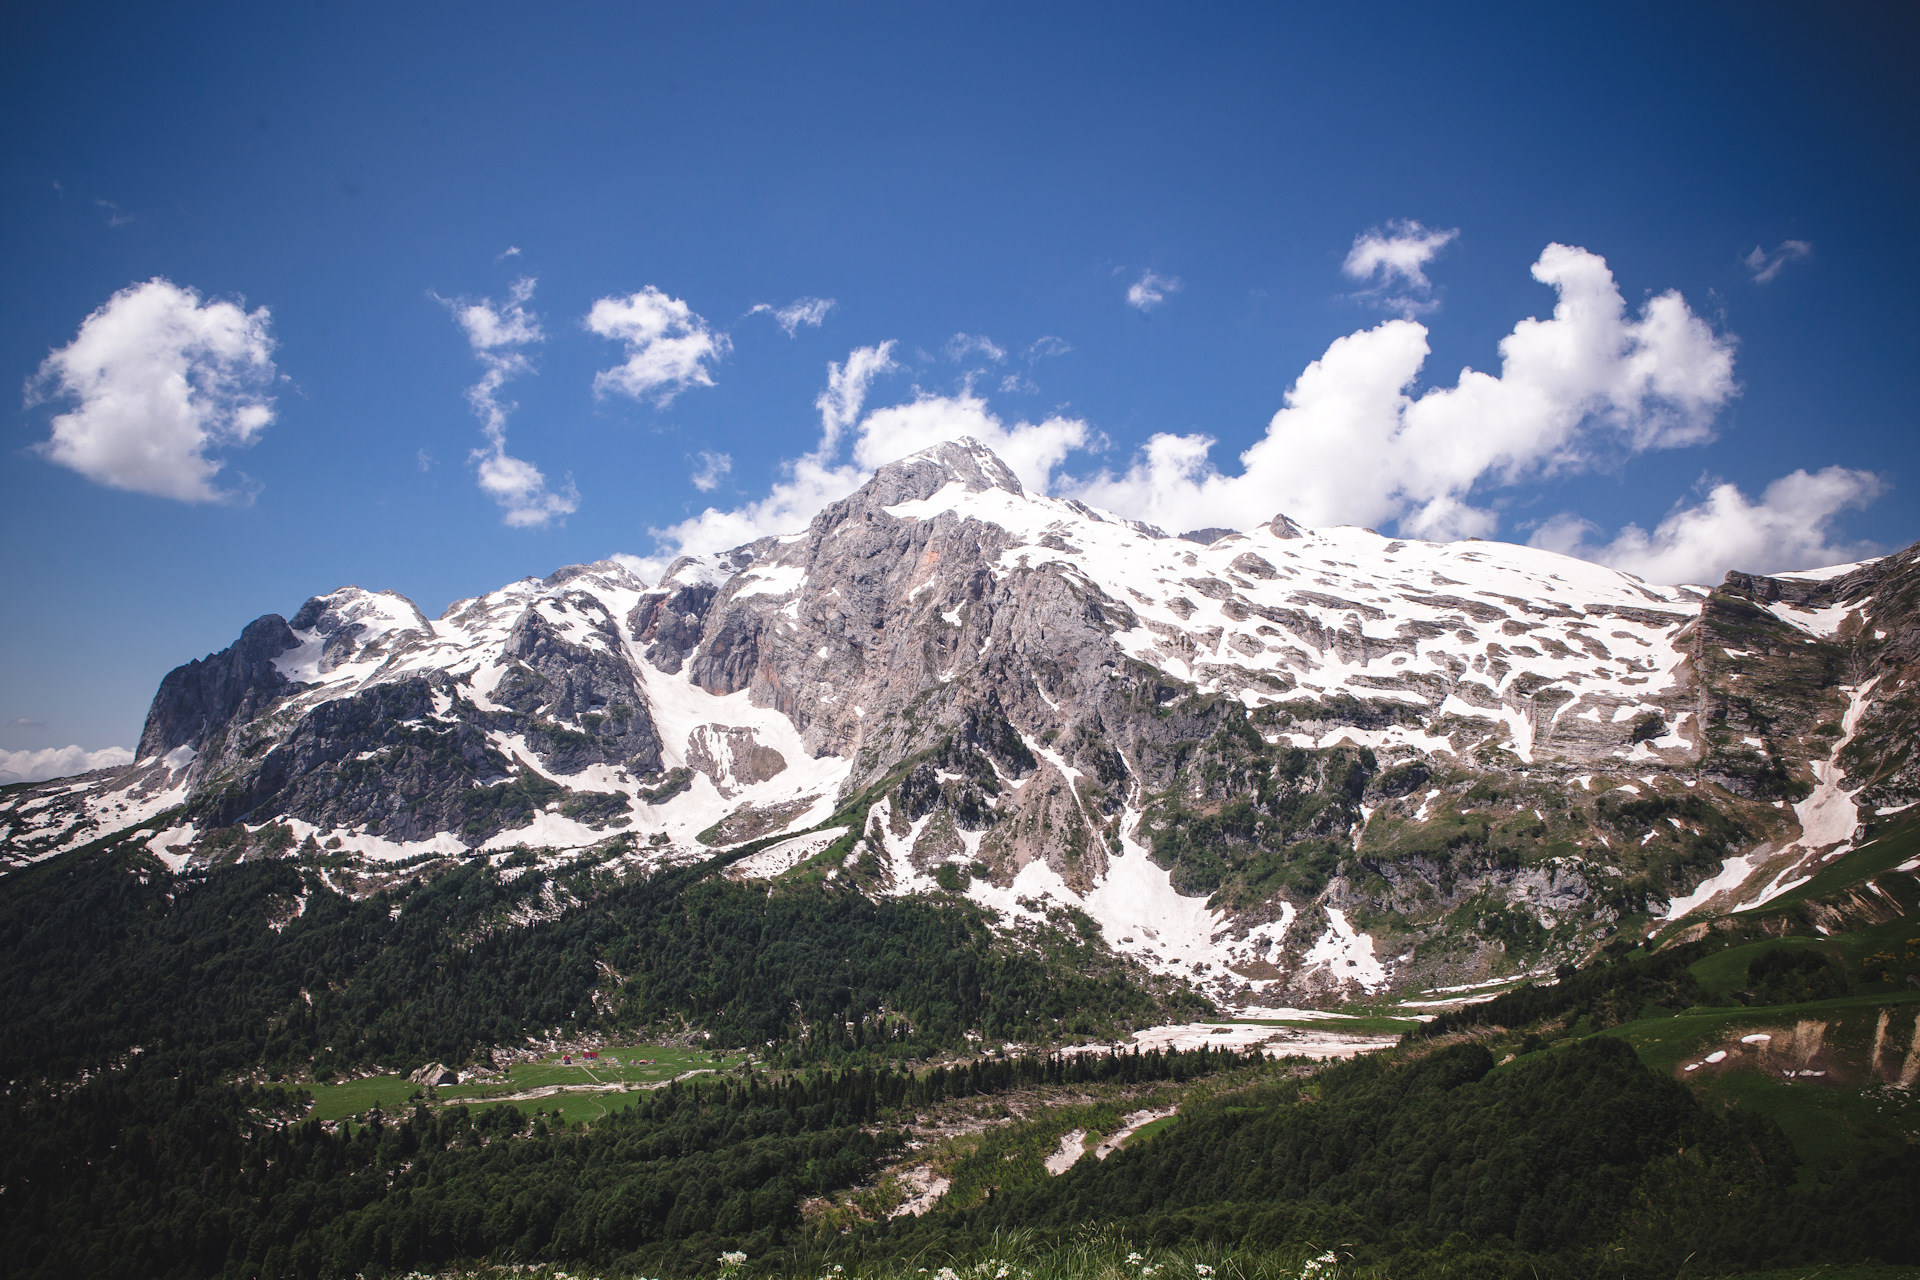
(1395, 258)
(668, 346)
(1790, 527)
(846, 392)
(496, 333)
(1032, 449)
(816, 479)
(1358, 442)
(58, 762)
(808, 311)
(962, 345)
(22, 722)
(160, 379)
(1353, 445)
(807, 484)
(1151, 289)
(1765, 266)
(713, 468)
(1047, 346)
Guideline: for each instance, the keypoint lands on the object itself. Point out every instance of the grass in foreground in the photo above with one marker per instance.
(1104, 1255)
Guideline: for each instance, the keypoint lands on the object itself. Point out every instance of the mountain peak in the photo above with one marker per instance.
(921, 475)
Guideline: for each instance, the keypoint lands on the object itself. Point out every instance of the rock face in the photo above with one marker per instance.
(1280, 762)
(203, 697)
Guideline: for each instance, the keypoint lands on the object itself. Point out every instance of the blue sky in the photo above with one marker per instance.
(1274, 185)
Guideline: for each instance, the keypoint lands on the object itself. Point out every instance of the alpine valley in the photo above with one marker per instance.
(1454, 908)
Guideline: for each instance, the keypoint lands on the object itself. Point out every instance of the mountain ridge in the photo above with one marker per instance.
(1274, 763)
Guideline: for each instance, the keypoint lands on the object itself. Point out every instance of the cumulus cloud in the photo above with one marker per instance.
(158, 379)
(833, 469)
(1359, 441)
(498, 332)
(1394, 259)
(58, 762)
(1151, 289)
(808, 311)
(1790, 527)
(1032, 449)
(669, 347)
(1354, 445)
(712, 470)
(1765, 266)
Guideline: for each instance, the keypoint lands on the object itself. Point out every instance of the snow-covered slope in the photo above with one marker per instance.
(1265, 760)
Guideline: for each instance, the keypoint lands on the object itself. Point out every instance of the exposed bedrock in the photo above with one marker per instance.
(206, 695)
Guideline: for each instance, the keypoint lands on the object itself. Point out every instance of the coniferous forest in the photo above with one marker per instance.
(163, 1038)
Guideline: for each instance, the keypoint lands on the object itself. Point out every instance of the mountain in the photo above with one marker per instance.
(931, 883)
(1277, 765)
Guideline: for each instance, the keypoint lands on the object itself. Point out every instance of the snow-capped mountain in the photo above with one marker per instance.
(1270, 761)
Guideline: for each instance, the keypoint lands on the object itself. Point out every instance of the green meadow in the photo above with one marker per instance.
(584, 1089)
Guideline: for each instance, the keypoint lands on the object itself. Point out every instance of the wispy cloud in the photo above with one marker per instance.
(962, 345)
(1765, 266)
(712, 470)
(1394, 259)
(808, 311)
(1040, 349)
(116, 216)
(160, 379)
(1151, 289)
(21, 722)
(669, 347)
(498, 332)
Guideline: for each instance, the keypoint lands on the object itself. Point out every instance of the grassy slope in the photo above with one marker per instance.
(1826, 1117)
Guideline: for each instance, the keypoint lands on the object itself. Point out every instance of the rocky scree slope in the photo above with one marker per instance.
(1281, 764)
